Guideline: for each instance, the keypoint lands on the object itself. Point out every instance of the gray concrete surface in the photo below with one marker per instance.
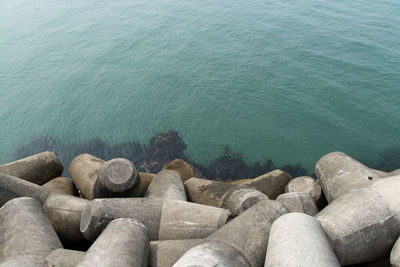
(185, 220)
(298, 202)
(363, 224)
(96, 178)
(272, 184)
(298, 240)
(64, 258)
(64, 212)
(13, 187)
(212, 254)
(123, 243)
(100, 212)
(167, 184)
(38, 169)
(165, 253)
(27, 236)
(62, 184)
(338, 174)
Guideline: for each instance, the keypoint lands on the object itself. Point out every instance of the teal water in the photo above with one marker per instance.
(286, 80)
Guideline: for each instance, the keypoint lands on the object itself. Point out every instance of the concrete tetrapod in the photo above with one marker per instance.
(185, 220)
(13, 187)
(272, 184)
(62, 184)
(27, 236)
(145, 180)
(298, 202)
(167, 184)
(123, 243)
(241, 242)
(64, 212)
(165, 253)
(38, 169)
(189, 223)
(338, 174)
(100, 212)
(308, 185)
(211, 254)
(395, 254)
(182, 167)
(64, 258)
(363, 224)
(96, 178)
(298, 240)
(223, 195)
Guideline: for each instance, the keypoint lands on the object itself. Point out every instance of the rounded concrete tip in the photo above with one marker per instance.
(119, 174)
(86, 218)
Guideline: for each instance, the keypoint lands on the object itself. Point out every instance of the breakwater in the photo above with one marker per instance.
(111, 214)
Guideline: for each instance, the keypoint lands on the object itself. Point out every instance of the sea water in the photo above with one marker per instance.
(285, 80)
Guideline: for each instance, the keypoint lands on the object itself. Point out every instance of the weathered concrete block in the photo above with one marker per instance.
(338, 174)
(145, 180)
(305, 184)
(167, 184)
(100, 212)
(298, 240)
(395, 254)
(62, 184)
(64, 212)
(182, 167)
(38, 169)
(224, 195)
(240, 199)
(27, 236)
(123, 243)
(240, 181)
(241, 242)
(298, 202)
(212, 253)
(13, 187)
(272, 184)
(166, 253)
(180, 219)
(64, 258)
(363, 224)
(96, 178)
(185, 220)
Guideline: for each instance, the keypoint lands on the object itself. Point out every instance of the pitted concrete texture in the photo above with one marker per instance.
(185, 220)
(64, 258)
(64, 212)
(14, 187)
(167, 184)
(38, 169)
(165, 253)
(62, 184)
(298, 202)
(211, 254)
(100, 212)
(363, 224)
(272, 184)
(123, 243)
(27, 236)
(338, 174)
(305, 184)
(298, 240)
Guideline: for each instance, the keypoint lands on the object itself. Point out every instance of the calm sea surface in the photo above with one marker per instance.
(281, 79)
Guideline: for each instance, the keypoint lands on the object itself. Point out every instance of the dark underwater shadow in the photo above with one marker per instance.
(151, 157)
